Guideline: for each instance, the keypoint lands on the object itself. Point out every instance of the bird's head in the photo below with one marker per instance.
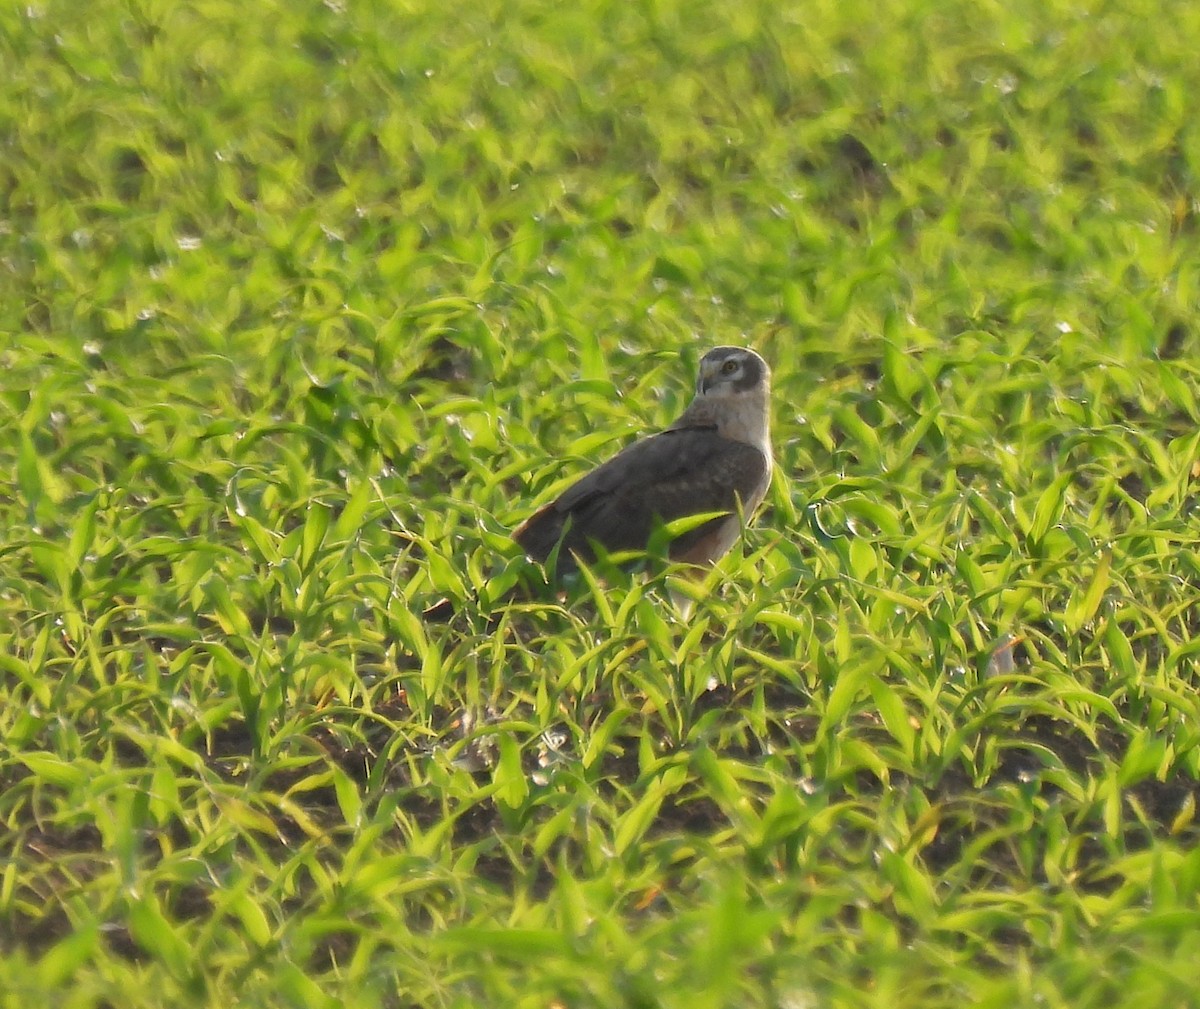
(732, 371)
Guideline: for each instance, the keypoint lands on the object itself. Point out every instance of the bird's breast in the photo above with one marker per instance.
(747, 422)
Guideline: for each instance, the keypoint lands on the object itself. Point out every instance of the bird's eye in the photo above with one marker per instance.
(729, 367)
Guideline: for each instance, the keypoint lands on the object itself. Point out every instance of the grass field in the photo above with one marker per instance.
(303, 307)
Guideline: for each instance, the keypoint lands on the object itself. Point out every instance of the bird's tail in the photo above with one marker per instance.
(540, 533)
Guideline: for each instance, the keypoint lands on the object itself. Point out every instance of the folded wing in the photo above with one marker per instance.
(688, 471)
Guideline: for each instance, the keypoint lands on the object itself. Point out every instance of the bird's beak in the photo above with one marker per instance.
(704, 380)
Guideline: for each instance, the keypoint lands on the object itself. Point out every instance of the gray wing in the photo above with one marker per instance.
(665, 477)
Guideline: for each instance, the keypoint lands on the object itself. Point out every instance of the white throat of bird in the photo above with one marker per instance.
(738, 415)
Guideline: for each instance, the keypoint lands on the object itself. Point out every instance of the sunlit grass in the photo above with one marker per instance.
(304, 309)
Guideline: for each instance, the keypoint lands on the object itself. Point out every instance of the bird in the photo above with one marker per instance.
(715, 458)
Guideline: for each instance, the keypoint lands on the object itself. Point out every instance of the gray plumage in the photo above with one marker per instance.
(715, 458)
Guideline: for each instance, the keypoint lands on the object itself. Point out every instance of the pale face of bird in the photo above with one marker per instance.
(727, 372)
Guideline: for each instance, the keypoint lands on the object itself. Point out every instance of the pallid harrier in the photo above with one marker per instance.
(715, 458)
